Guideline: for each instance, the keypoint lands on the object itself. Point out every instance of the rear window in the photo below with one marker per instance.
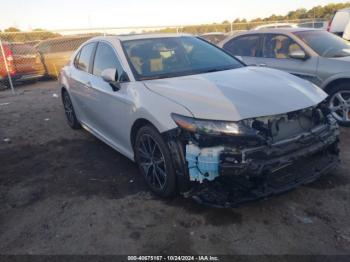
(22, 49)
(214, 39)
(243, 46)
(62, 45)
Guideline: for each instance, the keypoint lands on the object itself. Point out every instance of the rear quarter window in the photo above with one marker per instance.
(22, 49)
(62, 45)
(243, 46)
(84, 60)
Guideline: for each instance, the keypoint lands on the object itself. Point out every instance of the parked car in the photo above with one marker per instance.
(314, 55)
(214, 37)
(55, 53)
(198, 121)
(23, 63)
(346, 34)
(276, 25)
(340, 22)
(316, 24)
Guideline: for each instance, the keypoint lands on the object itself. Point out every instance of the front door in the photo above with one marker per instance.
(109, 109)
(275, 53)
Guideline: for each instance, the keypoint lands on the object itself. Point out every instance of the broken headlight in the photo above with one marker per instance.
(213, 127)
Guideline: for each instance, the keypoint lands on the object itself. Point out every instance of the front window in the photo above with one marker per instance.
(325, 44)
(175, 56)
(105, 58)
(279, 47)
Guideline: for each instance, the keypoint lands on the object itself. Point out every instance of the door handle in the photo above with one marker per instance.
(262, 65)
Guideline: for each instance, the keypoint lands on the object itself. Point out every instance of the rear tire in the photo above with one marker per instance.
(69, 111)
(154, 160)
(3, 86)
(339, 103)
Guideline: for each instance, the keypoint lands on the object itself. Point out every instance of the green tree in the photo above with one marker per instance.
(322, 12)
(12, 29)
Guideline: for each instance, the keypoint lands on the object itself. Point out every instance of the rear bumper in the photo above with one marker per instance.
(268, 170)
(23, 77)
(28, 76)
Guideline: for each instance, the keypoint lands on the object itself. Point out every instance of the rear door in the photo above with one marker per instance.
(275, 51)
(80, 82)
(26, 60)
(246, 48)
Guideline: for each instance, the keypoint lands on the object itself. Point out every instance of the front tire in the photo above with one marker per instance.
(153, 158)
(69, 111)
(339, 103)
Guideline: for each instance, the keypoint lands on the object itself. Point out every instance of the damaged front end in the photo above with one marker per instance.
(227, 163)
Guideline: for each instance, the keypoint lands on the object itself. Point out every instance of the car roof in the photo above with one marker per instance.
(279, 30)
(137, 36)
(278, 24)
(213, 33)
(268, 31)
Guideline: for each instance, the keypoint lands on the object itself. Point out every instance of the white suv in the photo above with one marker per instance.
(340, 24)
(198, 121)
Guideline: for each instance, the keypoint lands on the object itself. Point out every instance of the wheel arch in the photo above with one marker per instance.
(140, 122)
(63, 89)
(333, 83)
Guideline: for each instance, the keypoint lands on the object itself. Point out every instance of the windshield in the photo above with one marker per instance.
(325, 44)
(175, 56)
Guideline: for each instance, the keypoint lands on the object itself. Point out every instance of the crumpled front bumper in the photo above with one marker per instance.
(269, 170)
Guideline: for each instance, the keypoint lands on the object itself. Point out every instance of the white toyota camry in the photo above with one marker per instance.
(196, 120)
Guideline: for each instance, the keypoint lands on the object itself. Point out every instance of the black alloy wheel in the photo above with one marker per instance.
(153, 158)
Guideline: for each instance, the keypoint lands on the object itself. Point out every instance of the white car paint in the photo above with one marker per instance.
(276, 25)
(226, 95)
(346, 34)
(340, 21)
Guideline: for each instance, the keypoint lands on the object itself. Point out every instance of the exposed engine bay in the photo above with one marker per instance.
(272, 154)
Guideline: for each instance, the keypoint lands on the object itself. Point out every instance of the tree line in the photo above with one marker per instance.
(318, 12)
(13, 34)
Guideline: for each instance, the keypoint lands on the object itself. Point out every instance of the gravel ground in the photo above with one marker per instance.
(65, 192)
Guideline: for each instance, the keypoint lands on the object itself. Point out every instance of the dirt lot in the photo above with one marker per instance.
(65, 192)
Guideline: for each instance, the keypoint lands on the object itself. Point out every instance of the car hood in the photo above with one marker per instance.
(238, 94)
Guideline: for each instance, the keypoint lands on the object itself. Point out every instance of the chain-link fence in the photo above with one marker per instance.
(29, 56)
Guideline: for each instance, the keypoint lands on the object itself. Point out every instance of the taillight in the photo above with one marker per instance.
(9, 59)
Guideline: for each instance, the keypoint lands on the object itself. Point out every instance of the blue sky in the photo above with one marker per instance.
(63, 14)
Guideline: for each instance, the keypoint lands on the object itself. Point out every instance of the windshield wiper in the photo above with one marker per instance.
(216, 70)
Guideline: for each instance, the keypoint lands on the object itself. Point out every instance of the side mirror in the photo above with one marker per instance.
(110, 75)
(298, 54)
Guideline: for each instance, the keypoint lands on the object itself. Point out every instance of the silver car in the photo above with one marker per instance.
(314, 55)
(196, 120)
